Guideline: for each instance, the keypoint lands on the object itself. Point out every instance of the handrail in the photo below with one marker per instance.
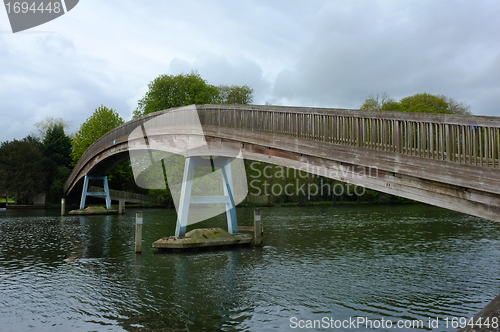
(117, 194)
(473, 140)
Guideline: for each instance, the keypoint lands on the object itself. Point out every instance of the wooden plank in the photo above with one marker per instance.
(479, 146)
(497, 133)
(432, 140)
(417, 117)
(429, 139)
(254, 117)
(414, 188)
(464, 175)
(487, 146)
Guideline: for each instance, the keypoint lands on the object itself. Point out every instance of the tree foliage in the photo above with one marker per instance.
(122, 178)
(57, 145)
(424, 103)
(234, 94)
(103, 120)
(457, 107)
(57, 150)
(167, 91)
(420, 102)
(22, 169)
(378, 102)
(29, 167)
(49, 122)
(278, 185)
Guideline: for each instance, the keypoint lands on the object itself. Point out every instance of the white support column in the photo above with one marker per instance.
(106, 192)
(185, 199)
(227, 178)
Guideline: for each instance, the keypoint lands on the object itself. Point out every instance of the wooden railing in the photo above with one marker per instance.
(471, 140)
(127, 196)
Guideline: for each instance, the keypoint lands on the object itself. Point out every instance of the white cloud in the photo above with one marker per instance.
(358, 48)
(311, 53)
(230, 70)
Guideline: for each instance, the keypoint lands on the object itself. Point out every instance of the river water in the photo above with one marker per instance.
(330, 264)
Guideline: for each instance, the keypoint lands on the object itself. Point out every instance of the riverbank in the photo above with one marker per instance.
(53, 206)
(24, 206)
(329, 203)
(485, 319)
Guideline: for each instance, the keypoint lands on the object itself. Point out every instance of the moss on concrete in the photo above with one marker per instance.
(94, 210)
(203, 237)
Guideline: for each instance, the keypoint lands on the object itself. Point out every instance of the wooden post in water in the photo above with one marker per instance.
(257, 222)
(63, 203)
(121, 206)
(138, 232)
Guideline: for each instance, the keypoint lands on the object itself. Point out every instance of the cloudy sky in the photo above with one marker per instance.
(302, 53)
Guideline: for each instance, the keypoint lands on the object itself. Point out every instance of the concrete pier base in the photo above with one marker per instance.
(203, 237)
(491, 311)
(93, 210)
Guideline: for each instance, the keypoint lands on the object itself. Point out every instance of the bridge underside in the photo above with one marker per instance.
(453, 186)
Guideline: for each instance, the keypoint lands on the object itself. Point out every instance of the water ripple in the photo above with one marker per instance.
(402, 262)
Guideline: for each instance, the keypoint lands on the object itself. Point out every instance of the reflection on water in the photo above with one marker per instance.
(391, 262)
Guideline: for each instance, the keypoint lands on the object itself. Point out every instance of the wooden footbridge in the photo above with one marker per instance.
(451, 161)
(117, 195)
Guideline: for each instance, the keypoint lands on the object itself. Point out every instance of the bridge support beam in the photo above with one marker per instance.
(186, 199)
(104, 193)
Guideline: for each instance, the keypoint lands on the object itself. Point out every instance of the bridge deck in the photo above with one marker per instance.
(446, 160)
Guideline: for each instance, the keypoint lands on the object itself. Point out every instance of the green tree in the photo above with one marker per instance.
(49, 122)
(57, 145)
(57, 150)
(234, 94)
(371, 104)
(35, 142)
(420, 102)
(379, 102)
(103, 120)
(56, 186)
(122, 178)
(424, 103)
(391, 106)
(167, 91)
(22, 169)
(457, 107)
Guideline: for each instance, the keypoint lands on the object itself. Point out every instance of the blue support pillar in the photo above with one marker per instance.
(186, 199)
(86, 193)
(106, 191)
